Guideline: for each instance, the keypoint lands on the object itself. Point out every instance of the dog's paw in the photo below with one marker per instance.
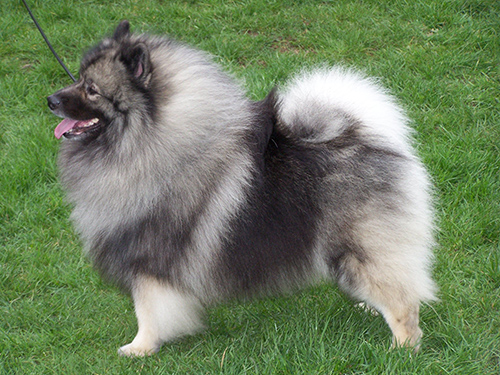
(134, 350)
(367, 308)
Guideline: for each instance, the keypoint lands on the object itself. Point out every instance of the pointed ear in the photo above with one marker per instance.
(122, 31)
(136, 59)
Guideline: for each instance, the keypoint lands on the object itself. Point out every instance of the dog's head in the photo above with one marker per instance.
(113, 75)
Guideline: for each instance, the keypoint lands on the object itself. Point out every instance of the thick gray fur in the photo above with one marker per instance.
(187, 193)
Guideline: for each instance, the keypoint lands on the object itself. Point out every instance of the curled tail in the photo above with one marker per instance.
(321, 105)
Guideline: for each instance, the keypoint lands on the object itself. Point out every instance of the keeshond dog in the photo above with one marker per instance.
(186, 193)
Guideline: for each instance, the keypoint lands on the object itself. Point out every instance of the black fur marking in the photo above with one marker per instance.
(265, 122)
(150, 246)
(275, 231)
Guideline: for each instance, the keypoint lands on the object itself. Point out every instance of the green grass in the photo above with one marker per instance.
(441, 58)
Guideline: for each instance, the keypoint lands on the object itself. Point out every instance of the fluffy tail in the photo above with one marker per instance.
(321, 105)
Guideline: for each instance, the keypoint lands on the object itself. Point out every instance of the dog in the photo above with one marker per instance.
(185, 193)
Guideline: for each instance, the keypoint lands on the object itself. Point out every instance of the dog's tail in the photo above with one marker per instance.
(322, 105)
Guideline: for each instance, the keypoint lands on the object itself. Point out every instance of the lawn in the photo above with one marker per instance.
(440, 58)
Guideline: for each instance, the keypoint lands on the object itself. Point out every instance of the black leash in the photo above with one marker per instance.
(48, 43)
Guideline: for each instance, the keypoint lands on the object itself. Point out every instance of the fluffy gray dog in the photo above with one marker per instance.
(186, 193)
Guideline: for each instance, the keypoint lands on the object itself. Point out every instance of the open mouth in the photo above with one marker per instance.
(71, 128)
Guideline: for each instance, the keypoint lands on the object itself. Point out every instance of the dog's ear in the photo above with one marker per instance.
(136, 59)
(122, 31)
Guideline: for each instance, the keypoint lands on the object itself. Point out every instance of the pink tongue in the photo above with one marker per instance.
(65, 125)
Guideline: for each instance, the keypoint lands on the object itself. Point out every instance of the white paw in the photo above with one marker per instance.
(367, 308)
(134, 350)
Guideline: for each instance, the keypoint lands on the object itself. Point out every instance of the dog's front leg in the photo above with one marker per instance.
(163, 314)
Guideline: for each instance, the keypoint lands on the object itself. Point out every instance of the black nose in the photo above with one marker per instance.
(53, 102)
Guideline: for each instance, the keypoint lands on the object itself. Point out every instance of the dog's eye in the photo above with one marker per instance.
(92, 90)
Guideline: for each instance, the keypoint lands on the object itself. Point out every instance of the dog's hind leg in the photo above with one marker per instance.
(404, 325)
(163, 314)
(393, 288)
